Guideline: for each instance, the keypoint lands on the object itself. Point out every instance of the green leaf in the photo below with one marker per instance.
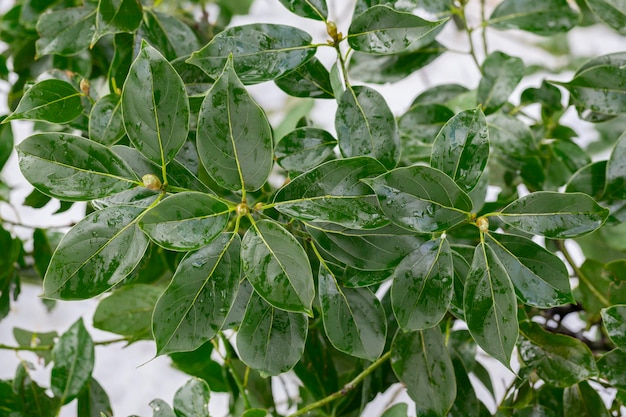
(93, 401)
(313, 9)
(234, 137)
(128, 311)
(512, 140)
(398, 410)
(560, 360)
(168, 35)
(422, 286)
(53, 101)
(616, 170)
(192, 399)
(6, 142)
(612, 366)
(71, 167)
(185, 221)
(540, 277)
(10, 403)
(541, 17)
(611, 12)
(106, 125)
(161, 409)
(73, 357)
(614, 320)
(155, 107)
(316, 369)
(310, 79)
(198, 363)
(383, 30)
(261, 52)
(421, 198)
(33, 398)
(97, 253)
(65, 32)
(366, 127)
(304, 148)
(333, 192)
(254, 412)
(421, 361)
(354, 319)
(31, 339)
(583, 401)
(194, 306)
(461, 148)
(270, 340)
(115, 16)
(555, 215)
(501, 74)
(277, 267)
(490, 305)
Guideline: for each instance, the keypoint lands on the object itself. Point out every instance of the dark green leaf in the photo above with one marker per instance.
(421, 361)
(383, 30)
(313, 9)
(354, 278)
(254, 412)
(304, 148)
(34, 400)
(65, 32)
(501, 74)
(354, 319)
(169, 35)
(72, 168)
(366, 127)
(612, 366)
(423, 286)
(333, 192)
(398, 410)
(560, 360)
(583, 401)
(53, 101)
(155, 107)
(97, 253)
(199, 363)
(541, 17)
(461, 148)
(271, 340)
(261, 52)
(106, 125)
(440, 94)
(192, 399)
(161, 409)
(115, 16)
(611, 12)
(73, 356)
(512, 139)
(277, 267)
(128, 311)
(234, 137)
(6, 142)
(10, 403)
(614, 320)
(194, 306)
(616, 170)
(93, 401)
(121, 61)
(421, 198)
(555, 215)
(310, 79)
(490, 305)
(316, 369)
(32, 339)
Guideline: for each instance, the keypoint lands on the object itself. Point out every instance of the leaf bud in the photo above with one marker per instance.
(85, 87)
(331, 29)
(151, 182)
(242, 209)
(483, 224)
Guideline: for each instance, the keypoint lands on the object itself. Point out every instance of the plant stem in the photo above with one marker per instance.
(228, 363)
(346, 388)
(469, 31)
(580, 274)
(483, 18)
(41, 348)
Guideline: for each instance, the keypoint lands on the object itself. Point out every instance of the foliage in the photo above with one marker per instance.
(387, 251)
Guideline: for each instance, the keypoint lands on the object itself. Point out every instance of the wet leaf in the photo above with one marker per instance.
(194, 306)
(584, 401)
(115, 16)
(398, 410)
(614, 320)
(304, 148)
(161, 409)
(616, 170)
(310, 79)
(612, 366)
(93, 401)
(169, 35)
(501, 74)
(65, 32)
(192, 399)
(511, 139)
(611, 12)
(313, 9)
(33, 399)
(106, 125)
(53, 101)
(541, 17)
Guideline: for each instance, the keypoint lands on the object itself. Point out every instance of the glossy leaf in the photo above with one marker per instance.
(185, 221)
(333, 192)
(490, 305)
(93, 401)
(616, 170)
(461, 148)
(33, 398)
(541, 17)
(512, 140)
(422, 286)
(421, 198)
(313, 9)
(614, 319)
(366, 127)
(421, 361)
(97, 253)
(6, 142)
(310, 79)
(397, 410)
(71, 167)
(354, 319)
(115, 16)
(234, 137)
(106, 125)
(611, 12)
(155, 107)
(168, 34)
(277, 267)
(261, 52)
(560, 360)
(501, 74)
(584, 401)
(161, 409)
(612, 366)
(65, 32)
(194, 306)
(50, 100)
(192, 399)
(304, 148)
(271, 340)
(73, 357)
(555, 215)
(540, 277)
(383, 30)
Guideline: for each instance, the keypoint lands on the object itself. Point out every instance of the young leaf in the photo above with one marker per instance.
(354, 319)
(555, 215)
(106, 125)
(192, 399)
(270, 340)
(72, 168)
(611, 12)
(461, 148)
(261, 52)
(304, 148)
(313, 9)
(541, 17)
(422, 286)
(614, 319)
(73, 357)
(115, 16)
(310, 79)
(501, 74)
(53, 101)
(583, 401)
(161, 409)
(333, 192)
(28, 338)
(277, 267)
(194, 306)
(155, 107)
(490, 305)
(97, 253)
(421, 198)
(65, 32)
(421, 361)
(234, 137)
(93, 401)
(366, 127)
